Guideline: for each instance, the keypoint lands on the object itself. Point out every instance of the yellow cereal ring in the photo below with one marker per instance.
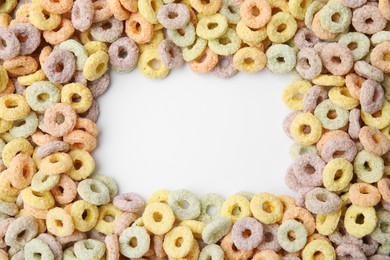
(236, 207)
(14, 147)
(266, 208)
(95, 46)
(56, 163)
(158, 218)
(84, 101)
(5, 197)
(329, 80)
(249, 59)
(3, 78)
(148, 62)
(298, 8)
(249, 35)
(158, 196)
(326, 224)
(5, 125)
(95, 65)
(83, 165)
(380, 119)
(318, 247)
(13, 107)
(195, 226)
(298, 125)
(289, 94)
(287, 202)
(85, 37)
(178, 242)
(6, 189)
(27, 80)
(158, 37)
(59, 222)
(84, 214)
(282, 27)
(147, 8)
(37, 16)
(337, 174)
(360, 221)
(107, 226)
(38, 200)
(341, 97)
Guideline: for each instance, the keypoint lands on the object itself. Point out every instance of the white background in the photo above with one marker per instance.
(196, 132)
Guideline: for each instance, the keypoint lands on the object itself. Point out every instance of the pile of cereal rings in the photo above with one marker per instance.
(55, 56)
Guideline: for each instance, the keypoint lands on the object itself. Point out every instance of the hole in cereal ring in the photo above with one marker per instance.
(369, 21)
(211, 210)
(336, 59)
(338, 175)
(59, 67)
(338, 154)
(318, 255)
(236, 211)
(137, 26)
(109, 218)
(36, 194)
(172, 15)
(377, 114)
(291, 236)
(246, 233)
(3, 43)
(181, 32)
(363, 190)
(46, 14)
(37, 255)
(133, 242)
(231, 9)
(54, 159)
(122, 53)
(234, 248)
(281, 27)
(304, 63)
(77, 164)
(211, 26)
(248, 61)
(76, 98)
(43, 97)
(61, 189)
(367, 166)
(332, 114)
(85, 214)
(359, 219)
(376, 139)
(9, 103)
(255, 11)
(352, 46)
(19, 122)
(94, 188)
(268, 237)
(22, 37)
(280, 60)
(386, 56)
(154, 5)
(205, 2)
(309, 169)
(224, 40)
(45, 177)
(100, 68)
(266, 207)
(298, 96)
(306, 129)
(276, 10)
(107, 25)
(154, 64)
(384, 227)
(321, 197)
(183, 204)
(157, 217)
(21, 234)
(335, 17)
(58, 223)
(179, 242)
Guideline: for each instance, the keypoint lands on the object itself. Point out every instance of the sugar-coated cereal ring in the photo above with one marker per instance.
(65, 190)
(178, 198)
(21, 171)
(358, 43)
(14, 147)
(50, 148)
(110, 184)
(142, 242)
(207, 201)
(205, 62)
(20, 231)
(123, 55)
(78, 50)
(206, 8)
(158, 218)
(107, 30)
(331, 116)
(305, 38)
(231, 11)
(96, 65)
(368, 167)
(10, 44)
(42, 182)
(13, 107)
(297, 129)
(307, 169)
(344, 16)
(40, 21)
(252, 19)
(83, 94)
(170, 54)
(89, 249)
(319, 31)
(381, 234)
(8, 6)
(59, 222)
(4, 79)
(53, 244)
(230, 250)
(379, 119)
(384, 188)
(25, 127)
(280, 58)
(39, 200)
(266, 208)
(250, 36)
(236, 207)
(32, 40)
(59, 66)
(95, 46)
(20, 66)
(341, 97)
(374, 141)
(318, 247)
(180, 19)
(82, 14)
(309, 64)
(366, 13)
(183, 37)
(145, 64)
(329, 80)
(51, 115)
(93, 191)
(129, 202)
(37, 247)
(83, 165)
(63, 32)
(282, 27)
(148, 9)
(366, 70)
(371, 96)
(249, 59)
(290, 92)
(212, 251)
(339, 147)
(360, 228)
(135, 21)
(227, 44)
(363, 194)
(108, 216)
(216, 229)
(378, 56)
(195, 50)
(337, 174)
(326, 224)
(299, 239)
(311, 10)
(120, 12)
(224, 67)
(302, 215)
(171, 245)
(337, 58)
(322, 201)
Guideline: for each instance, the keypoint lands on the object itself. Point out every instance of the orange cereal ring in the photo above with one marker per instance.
(319, 31)
(36, 213)
(6, 188)
(5, 19)
(138, 28)
(231, 252)
(255, 13)
(65, 191)
(87, 126)
(328, 136)
(364, 194)
(384, 8)
(119, 12)
(205, 62)
(63, 32)
(20, 66)
(80, 140)
(53, 113)
(9, 89)
(384, 189)
(57, 6)
(131, 5)
(102, 11)
(380, 56)
(21, 171)
(40, 138)
(354, 83)
(301, 215)
(45, 52)
(206, 7)
(266, 255)
(373, 140)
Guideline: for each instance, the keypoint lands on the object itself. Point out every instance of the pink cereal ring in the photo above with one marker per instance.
(60, 66)
(129, 202)
(368, 19)
(225, 68)
(374, 141)
(316, 95)
(371, 96)
(249, 226)
(112, 247)
(339, 147)
(354, 123)
(308, 170)
(305, 38)
(53, 114)
(31, 37)
(170, 54)
(124, 221)
(100, 85)
(3, 228)
(82, 14)
(10, 48)
(337, 58)
(123, 54)
(65, 191)
(291, 180)
(50, 148)
(288, 120)
(101, 11)
(92, 113)
(179, 12)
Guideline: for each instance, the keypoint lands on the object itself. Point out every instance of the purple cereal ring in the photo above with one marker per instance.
(129, 202)
(92, 113)
(247, 233)
(3, 229)
(60, 66)
(123, 54)
(341, 236)
(313, 97)
(270, 238)
(50, 148)
(173, 16)
(54, 245)
(354, 3)
(349, 252)
(368, 19)
(339, 147)
(371, 96)
(19, 89)
(82, 14)
(29, 37)
(225, 68)
(369, 245)
(170, 54)
(337, 58)
(309, 64)
(305, 38)
(354, 123)
(308, 170)
(9, 44)
(291, 180)
(100, 85)
(322, 201)
(288, 120)
(108, 30)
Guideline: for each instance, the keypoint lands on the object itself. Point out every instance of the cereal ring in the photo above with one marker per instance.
(13, 107)
(148, 9)
(42, 182)
(322, 201)
(341, 97)
(216, 229)
(205, 62)
(298, 126)
(337, 174)
(339, 147)
(231, 11)
(65, 190)
(82, 15)
(280, 58)
(60, 66)
(379, 119)
(337, 58)
(108, 216)
(72, 91)
(37, 247)
(173, 16)
(129, 202)
(184, 204)
(21, 171)
(308, 170)
(378, 56)
(145, 64)
(9, 43)
(110, 184)
(158, 218)
(371, 96)
(227, 44)
(381, 234)
(282, 27)
(210, 202)
(309, 64)
(89, 249)
(170, 54)
(331, 116)
(345, 251)
(42, 22)
(326, 224)
(94, 191)
(266, 208)
(255, 13)
(363, 194)
(368, 167)
(120, 12)
(358, 43)
(84, 214)
(195, 50)
(230, 250)
(206, 8)
(236, 207)
(313, 97)
(32, 38)
(295, 243)
(318, 247)
(301, 215)
(211, 252)
(83, 165)
(250, 36)
(138, 28)
(225, 67)
(123, 55)
(329, 80)
(373, 140)
(368, 19)
(330, 23)
(360, 221)
(305, 38)
(96, 65)
(368, 71)
(20, 66)
(384, 190)
(51, 115)
(176, 249)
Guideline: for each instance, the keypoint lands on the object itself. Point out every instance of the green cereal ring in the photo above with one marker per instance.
(25, 127)
(249, 35)
(300, 235)
(212, 252)
(184, 204)
(380, 37)
(89, 249)
(368, 167)
(69, 254)
(332, 9)
(141, 245)
(231, 11)
(193, 51)
(281, 58)
(216, 230)
(384, 250)
(297, 150)
(41, 95)
(358, 43)
(184, 40)
(227, 44)
(212, 27)
(36, 249)
(211, 205)
(78, 50)
(110, 184)
(94, 191)
(42, 182)
(381, 233)
(339, 120)
(311, 11)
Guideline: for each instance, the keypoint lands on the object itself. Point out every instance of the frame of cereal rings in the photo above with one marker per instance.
(55, 57)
